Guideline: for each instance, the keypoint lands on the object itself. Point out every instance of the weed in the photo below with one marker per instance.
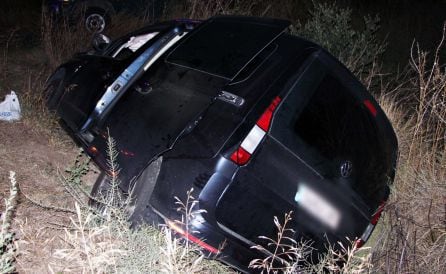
(90, 247)
(179, 259)
(60, 40)
(101, 240)
(180, 256)
(94, 243)
(7, 248)
(286, 254)
(205, 9)
(413, 234)
(289, 256)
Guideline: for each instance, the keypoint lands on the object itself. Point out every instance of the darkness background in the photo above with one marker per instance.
(402, 21)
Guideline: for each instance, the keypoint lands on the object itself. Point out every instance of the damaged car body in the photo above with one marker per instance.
(257, 121)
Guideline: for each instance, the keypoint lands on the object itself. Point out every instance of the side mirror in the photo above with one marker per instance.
(100, 42)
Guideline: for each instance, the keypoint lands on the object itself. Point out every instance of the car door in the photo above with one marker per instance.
(87, 76)
(293, 171)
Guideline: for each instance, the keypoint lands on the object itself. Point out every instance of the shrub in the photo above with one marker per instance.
(330, 26)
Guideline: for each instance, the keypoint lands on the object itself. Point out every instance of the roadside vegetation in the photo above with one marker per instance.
(410, 238)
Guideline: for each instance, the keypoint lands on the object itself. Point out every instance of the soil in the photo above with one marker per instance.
(39, 158)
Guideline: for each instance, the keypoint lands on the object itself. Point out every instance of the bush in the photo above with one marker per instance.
(330, 26)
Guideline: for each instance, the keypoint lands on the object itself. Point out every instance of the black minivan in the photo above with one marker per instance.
(257, 121)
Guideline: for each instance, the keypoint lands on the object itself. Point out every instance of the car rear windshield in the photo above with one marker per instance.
(222, 48)
(339, 137)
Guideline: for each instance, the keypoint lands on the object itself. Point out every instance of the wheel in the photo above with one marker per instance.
(138, 209)
(54, 89)
(101, 185)
(102, 197)
(96, 20)
(99, 192)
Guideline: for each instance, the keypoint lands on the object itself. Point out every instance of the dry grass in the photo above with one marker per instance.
(413, 239)
(7, 246)
(205, 9)
(412, 234)
(180, 255)
(289, 256)
(90, 248)
(60, 39)
(100, 239)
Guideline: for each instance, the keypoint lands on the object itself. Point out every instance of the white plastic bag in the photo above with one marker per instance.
(10, 108)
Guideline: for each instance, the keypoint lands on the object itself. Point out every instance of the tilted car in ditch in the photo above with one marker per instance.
(257, 121)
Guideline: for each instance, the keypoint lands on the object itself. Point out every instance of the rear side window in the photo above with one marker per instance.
(331, 129)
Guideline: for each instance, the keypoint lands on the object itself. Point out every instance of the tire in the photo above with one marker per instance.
(99, 192)
(138, 210)
(54, 89)
(96, 20)
(102, 184)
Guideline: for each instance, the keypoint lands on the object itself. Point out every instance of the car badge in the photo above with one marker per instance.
(346, 169)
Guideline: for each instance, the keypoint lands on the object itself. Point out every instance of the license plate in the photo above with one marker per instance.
(318, 206)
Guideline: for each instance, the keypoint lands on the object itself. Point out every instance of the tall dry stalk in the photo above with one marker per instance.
(7, 248)
(412, 234)
(430, 126)
(89, 247)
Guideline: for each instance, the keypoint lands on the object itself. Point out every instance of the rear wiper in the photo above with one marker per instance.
(133, 72)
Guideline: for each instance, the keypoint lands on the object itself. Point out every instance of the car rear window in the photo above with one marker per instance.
(334, 129)
(222, 48)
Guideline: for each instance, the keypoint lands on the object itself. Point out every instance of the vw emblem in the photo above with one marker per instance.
(346, 169)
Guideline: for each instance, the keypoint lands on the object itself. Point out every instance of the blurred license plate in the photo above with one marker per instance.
(318, 207)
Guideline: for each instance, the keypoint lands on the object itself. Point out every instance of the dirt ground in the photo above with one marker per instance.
(39, 160)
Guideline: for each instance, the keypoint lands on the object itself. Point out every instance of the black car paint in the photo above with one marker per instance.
(99, 70)
(195, 133)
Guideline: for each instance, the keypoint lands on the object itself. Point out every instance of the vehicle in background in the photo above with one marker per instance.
(97, 14)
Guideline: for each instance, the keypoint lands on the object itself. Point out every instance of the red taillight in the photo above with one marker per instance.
(243, 153)
(191, 237)
(240, 156)
(369, 229)
(265, 120)
(377, 214)
(369, 105)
